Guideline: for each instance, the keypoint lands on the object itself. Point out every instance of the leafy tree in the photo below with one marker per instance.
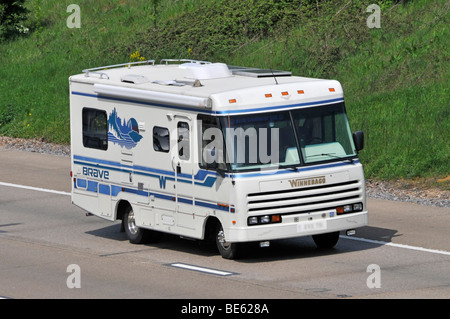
(12, 15)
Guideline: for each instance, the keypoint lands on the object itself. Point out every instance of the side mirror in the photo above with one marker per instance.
(358, 139)
(214, 166)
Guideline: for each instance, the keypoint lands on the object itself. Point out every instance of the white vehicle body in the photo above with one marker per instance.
(139, 142)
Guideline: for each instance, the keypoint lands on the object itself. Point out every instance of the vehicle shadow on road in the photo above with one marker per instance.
(109, 232)
(304, 247)
(285, 249)
(377, 233)
(167, 241)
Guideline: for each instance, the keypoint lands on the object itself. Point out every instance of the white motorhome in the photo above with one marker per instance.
(209, 151)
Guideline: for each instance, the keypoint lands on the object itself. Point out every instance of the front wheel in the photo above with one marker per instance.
(326, 241)
(227, 250)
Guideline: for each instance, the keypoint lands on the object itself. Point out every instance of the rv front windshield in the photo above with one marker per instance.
(287, 138)
(323, 133)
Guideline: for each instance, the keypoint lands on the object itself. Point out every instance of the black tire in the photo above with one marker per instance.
(226, 249)
(326, 241)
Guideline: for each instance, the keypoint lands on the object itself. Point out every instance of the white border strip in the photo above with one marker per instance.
(201, 269)
(378, 242)
(35, 189)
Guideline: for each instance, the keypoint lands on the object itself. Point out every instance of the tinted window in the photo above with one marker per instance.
(161, 139)
(183, 140)
(95, 129)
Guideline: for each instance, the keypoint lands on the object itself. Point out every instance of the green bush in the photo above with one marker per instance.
(12, 16)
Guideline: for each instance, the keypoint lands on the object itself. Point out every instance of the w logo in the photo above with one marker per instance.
(162, 182)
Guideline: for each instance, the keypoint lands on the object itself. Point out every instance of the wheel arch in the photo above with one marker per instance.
(121, 207)
(211, 223)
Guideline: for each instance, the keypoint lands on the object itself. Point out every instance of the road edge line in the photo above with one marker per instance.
(379, 242)
(35, 189)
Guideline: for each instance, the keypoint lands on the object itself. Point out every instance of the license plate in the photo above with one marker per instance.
(311, 225)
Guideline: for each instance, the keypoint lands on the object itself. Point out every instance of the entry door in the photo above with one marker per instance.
(185, 171)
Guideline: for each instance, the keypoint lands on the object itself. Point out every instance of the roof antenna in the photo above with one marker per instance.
(273, 74)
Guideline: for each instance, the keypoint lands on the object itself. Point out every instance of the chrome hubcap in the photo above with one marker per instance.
(222, 241)
(131, 222)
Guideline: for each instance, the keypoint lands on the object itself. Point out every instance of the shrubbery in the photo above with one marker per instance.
(12, 17)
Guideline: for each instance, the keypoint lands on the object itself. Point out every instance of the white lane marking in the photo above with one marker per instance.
(202, 269)
(35, 189)
(379, 242)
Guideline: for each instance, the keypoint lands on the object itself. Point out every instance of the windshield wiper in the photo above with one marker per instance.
(290, 166)
(332, 155)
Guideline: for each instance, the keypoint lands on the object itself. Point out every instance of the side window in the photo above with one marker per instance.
(183, 140)
(95, 129)
(161, 139)
(210, 140)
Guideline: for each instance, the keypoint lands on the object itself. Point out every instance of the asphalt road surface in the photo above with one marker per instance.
(50, 249)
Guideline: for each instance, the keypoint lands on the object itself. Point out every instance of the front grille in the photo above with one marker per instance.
(304, 199)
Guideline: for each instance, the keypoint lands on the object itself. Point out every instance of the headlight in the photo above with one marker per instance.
(348, 208)
(265, 219)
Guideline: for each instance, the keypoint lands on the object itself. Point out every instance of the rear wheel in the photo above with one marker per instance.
(135, 234)
(326, 241)
(227, 250)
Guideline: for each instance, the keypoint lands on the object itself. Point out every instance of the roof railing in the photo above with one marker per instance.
(97, 70)
(129, 64)
(166, 61)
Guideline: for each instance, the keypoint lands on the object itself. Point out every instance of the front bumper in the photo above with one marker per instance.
(298, 225)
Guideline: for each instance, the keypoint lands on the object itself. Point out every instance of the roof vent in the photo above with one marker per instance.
(195, 84)
(134, 78)
(206, 71)
(169, 83)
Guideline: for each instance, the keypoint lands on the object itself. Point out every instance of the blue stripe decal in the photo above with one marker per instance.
(299, 169)
(114, 191)
(81, 183)
(92, 186)
(202, 178)
(278, 107)
(199, 110)
(104, 189)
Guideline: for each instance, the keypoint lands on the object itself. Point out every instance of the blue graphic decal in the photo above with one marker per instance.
(122, 132)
